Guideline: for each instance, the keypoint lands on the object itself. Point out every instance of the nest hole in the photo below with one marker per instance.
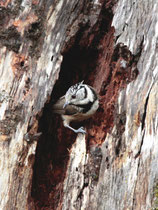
(80, 62)
(53, 147)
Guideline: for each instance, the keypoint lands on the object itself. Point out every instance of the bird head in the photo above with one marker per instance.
(75, 94)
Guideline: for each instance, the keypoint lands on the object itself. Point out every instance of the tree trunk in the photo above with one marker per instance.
(111, 45)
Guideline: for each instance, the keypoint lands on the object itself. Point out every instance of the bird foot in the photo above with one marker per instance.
(81, 130)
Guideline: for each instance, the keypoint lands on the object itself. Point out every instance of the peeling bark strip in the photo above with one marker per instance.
(113, 47)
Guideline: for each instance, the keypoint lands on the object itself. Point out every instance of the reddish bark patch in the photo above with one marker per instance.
(35, 2)
(23, 24)
(19, 64)
(117, 67)
(51, 162)
(5, 3)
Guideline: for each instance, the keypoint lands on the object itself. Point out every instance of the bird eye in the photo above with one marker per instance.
(73, 96)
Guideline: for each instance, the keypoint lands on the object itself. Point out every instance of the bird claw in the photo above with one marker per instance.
(81, 130)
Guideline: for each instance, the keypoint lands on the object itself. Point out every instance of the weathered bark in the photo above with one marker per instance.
(113, 47)
(32, 34)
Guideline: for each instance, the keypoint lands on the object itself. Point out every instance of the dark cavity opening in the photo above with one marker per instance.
(79, 63)
(53, 147)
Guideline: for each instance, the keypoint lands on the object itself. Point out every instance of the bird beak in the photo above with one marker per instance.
(65, 105)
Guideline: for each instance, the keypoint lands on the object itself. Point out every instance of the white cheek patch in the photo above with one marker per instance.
(90, 95)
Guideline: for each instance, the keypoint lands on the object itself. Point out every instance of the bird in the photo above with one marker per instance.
(79, 103)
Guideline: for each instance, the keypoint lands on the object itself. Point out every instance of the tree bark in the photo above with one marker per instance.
(111, 45)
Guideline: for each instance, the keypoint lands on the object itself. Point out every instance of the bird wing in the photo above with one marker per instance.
(58, 106)
(69, 110)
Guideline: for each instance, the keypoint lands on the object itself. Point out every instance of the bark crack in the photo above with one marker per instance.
(144, 113)
(137, 155)
(141, 144)
(143, 119)
(85, 184)
(145, 106)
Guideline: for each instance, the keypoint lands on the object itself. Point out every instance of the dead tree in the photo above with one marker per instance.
(47, 46)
